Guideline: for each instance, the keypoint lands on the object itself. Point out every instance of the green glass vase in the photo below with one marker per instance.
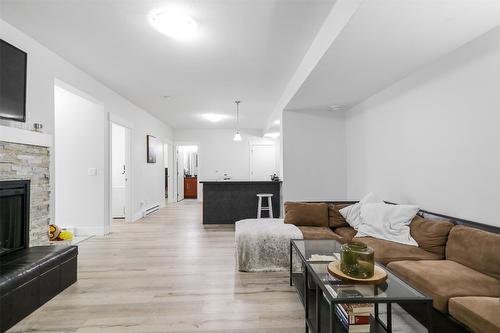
(357, 260)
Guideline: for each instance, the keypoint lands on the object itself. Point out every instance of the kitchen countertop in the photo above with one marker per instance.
(240, 182)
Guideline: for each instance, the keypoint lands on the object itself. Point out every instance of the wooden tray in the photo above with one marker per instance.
(379, 275)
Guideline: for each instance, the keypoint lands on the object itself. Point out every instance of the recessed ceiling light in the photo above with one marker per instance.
(174, 23)
(272, 135)
(214, 117)
(336, 107)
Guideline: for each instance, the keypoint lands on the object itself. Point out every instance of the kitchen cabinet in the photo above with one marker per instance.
(190, 187)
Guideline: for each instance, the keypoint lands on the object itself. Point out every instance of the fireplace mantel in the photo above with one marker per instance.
(17, 135)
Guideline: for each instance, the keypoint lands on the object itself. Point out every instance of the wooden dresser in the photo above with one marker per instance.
(191, 187)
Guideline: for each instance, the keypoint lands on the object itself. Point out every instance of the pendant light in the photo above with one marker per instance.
(237, 136)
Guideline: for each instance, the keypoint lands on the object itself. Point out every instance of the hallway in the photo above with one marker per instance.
(168, 273)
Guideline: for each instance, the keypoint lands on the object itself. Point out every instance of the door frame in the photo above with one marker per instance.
(175, 153)
(129, 196)
(171, 161)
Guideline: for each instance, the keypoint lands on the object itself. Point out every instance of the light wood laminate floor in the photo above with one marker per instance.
(168, 273)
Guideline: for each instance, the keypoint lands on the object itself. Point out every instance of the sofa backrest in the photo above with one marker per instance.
(336, 219)
(431, 235)
(306, 214)
(474, 248)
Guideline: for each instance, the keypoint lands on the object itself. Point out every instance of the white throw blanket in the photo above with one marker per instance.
(263, 245)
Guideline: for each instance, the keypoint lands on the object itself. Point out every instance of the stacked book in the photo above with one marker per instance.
(355, 317)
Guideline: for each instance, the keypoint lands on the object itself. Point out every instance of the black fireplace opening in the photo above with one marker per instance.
(14, 215)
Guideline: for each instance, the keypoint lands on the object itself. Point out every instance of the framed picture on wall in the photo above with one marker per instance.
(151, 148)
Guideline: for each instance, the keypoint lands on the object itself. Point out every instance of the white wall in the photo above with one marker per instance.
(314, 165)
(44, 67)
(80, 197)
(433, 139)
(220, 154)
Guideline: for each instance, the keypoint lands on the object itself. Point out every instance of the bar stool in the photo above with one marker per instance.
(269, 207)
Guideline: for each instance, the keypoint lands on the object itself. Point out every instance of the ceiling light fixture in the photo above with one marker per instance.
(336, 107)
(237, 136)
(214, 117)
(174, 23)
(272, 135)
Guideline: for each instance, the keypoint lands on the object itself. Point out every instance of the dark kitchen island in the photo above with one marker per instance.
(228, 201)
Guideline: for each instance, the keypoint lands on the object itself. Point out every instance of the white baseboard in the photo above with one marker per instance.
(138, 215)
(90, 231)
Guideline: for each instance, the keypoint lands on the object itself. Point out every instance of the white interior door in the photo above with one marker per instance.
(262, 161)
(119, 171)
(180, 175)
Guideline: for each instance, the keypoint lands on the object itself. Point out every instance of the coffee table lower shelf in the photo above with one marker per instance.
(298, 280)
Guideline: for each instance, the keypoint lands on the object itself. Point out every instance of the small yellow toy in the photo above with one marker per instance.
(58, 234)
(65, 235)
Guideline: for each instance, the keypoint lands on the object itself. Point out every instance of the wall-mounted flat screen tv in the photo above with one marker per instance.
(12, 82)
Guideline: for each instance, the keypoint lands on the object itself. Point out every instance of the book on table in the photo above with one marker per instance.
(355, 317)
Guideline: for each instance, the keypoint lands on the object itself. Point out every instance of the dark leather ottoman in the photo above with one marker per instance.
(30, 277)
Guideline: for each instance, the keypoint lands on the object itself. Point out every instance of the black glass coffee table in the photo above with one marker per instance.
(319, 292)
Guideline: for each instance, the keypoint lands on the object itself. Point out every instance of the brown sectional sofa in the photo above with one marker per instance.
(481, 314)
(459, 266)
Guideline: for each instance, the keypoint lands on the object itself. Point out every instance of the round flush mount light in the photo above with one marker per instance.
(214, 117)
(272, 135)
(174, 23)
(336, 107)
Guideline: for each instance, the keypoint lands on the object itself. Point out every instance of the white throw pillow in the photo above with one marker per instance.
(352, 213)
(389, 222)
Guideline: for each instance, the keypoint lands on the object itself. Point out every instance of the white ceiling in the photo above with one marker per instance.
(247, 49)
(386, 40)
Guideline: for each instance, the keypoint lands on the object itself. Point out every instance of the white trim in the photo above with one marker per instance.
(129, 195)
(137, 216)
(65, 86)
(90, 231)
(176, 182)
(120, 121)
(21, 136)
(170, 165)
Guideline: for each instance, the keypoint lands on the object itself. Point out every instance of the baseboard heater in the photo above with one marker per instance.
(151, 210)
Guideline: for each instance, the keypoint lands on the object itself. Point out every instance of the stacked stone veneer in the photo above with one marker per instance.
(20, 161)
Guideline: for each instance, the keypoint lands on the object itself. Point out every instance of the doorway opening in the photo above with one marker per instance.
(169, 163)
(120, 173)
(187, 172)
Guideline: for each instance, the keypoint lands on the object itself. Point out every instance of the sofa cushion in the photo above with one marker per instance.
(475, 248)
(388, 222)
(387, 251)
(480, 314)
(431, 235)
(306, 214)
(346, 232)
(352, 213)
(444, 279)
(336, 219)
(319, 233)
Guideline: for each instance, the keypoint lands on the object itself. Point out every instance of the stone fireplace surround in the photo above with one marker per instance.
(26, 155)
